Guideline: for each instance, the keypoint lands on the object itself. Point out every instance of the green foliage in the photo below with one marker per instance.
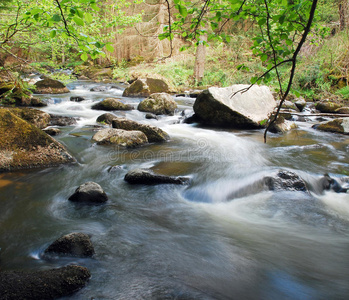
(344, 92)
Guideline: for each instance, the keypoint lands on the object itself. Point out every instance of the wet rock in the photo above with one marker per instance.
(153, 133)
(109, 104)
(229, 107)
(340, 125)
(89, 192)
(150, 116)
(50, 86)
(23, 145)
(342, 110)
(124, 138)
(77, 99)
(37, 102)
(46, 284)
(52, 131)
(106, 118)
(113, 169)
(281, 125)
(145, 87)
(73, 244)
(61, 121)
(285, 181)
(148, 177)
(289, 105)
(158, 104)
(328, 183)
(100, 88)
(34, 116)
(300, 103)
(83, 77)
(327, 106)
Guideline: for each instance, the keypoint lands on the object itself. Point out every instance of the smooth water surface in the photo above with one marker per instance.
(185, 242)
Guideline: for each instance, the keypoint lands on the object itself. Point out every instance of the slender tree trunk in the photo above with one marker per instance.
(343, 12)
(200, 58)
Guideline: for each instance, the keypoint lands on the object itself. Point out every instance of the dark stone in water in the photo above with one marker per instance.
(61, 121)
(285, 181)
(106, 118)
(47, 284)
(89, 192)
(150, 116)
(148, 177)
(77, 99)
(99, 89)
(52, 131)
(73, 244)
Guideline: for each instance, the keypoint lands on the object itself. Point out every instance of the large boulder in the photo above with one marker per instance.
(73, 244)
(327, 106)
(238, 106)
(148, 177)
(153, 133)
(23, 145)
(50, 86)
(46, 284)
(158, 104)
(109, 104)
(145, 87)
(124, 138)
(340, 125)
(89, 192)
(36, 117)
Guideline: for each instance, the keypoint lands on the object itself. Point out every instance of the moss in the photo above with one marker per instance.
(332, 126)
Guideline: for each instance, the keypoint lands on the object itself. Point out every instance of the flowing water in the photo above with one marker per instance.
(186, 242)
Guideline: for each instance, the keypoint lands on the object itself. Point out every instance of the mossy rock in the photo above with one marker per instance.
(106, 118)
(158, 104)
(23, 145)
(327, 107)
(340, 125)
(50, 86)
(146, 87)
(110, 104)
(36, 117)
(123, 138)
(342, 110)
(153, 133)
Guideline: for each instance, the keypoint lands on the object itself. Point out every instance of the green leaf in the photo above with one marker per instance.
(182, 10)
(53, 33)
(109, 48)
(262, 21)
(84, 56)
(56, 18)
(264, 57)
(88, 17)
(78, 21)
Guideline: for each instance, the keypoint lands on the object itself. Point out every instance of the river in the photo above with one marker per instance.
(185, 242)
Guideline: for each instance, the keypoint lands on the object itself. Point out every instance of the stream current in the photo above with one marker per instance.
(185, 242)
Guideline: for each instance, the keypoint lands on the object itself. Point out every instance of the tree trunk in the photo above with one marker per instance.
(343, 12)
(200, 58)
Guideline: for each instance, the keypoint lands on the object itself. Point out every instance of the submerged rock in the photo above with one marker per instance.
(285, 181)
(111, 104)
(145, 87)
(24, 146)
(106, 118)
(234, 107)
(340, 125)
(158, 104)
(77, 99)
(46, 284)
(50, 86)
(124, 138)
(148, 177)
(153, 133)
(89, 192)
(100, 88)
(61, 121)
(73, 244)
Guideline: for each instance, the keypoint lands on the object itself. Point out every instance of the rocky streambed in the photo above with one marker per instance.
(200, 213)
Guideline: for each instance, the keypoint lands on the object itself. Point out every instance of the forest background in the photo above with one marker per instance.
(131, 39)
